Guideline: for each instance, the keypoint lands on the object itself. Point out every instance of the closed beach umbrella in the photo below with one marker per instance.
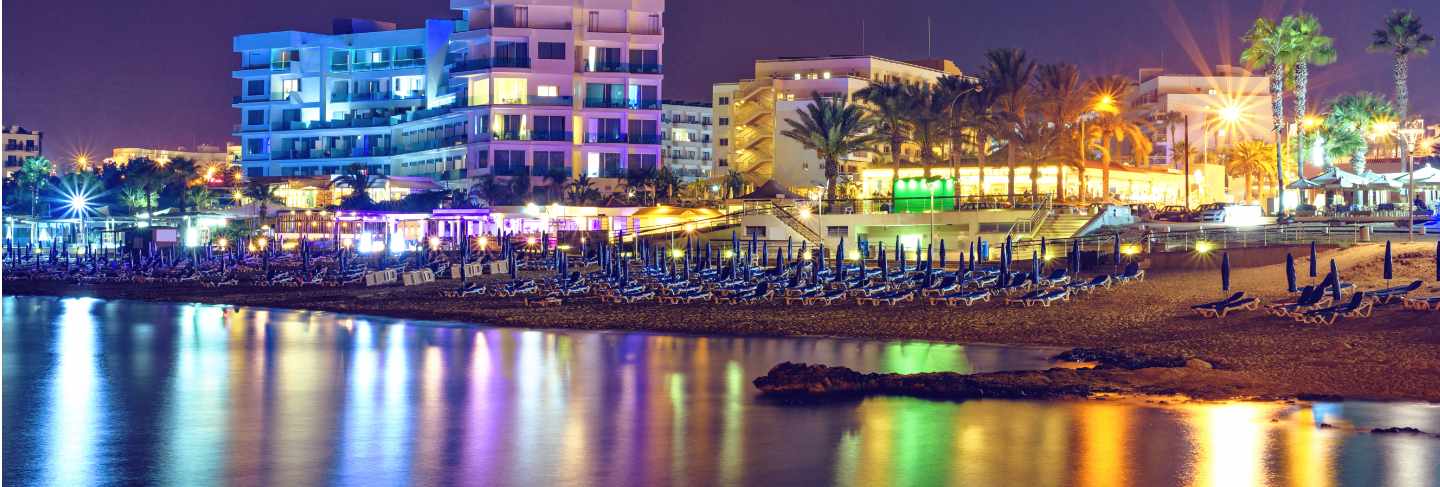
(1034, 267)
(511, 265)
(1116, 250)
(884, 267)
(929, 256)
(900, 257)
(1225, 271)
(1389, 265)
(790, 249)
(1075, 257)
(972, 255)
(1335, 283)
(1313, 262)
(942, 253)
(1042, 246)
(1289, 272)
(840, 260)
(779, 261)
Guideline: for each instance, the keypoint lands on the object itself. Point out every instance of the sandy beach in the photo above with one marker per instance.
(1393, 355)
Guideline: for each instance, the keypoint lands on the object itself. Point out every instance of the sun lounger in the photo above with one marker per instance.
(1022, 299)
(968, 298)
(802, 297)
(1385, 296)
(1132, 272)
(1357, 307)
(1421, 303)
(828, 298)
(1219, 309)
(541, 302)
(1049, 297)
(1058, 277)
(890, 297)
(1097, 282)
(1310, 298)
(946, 285)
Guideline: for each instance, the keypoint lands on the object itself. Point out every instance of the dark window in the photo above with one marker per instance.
(255, 117)
(482, 159)
(255, 146)
(644, 57)
(552, 50)
(641, 161)
(724, 120)
(755, 231)
(546, 161)
(610, 165)
(724, 100)
(724, 142)
(255, 87)
(511, 50)
(549, 127)
(254, 172)
(509, 162)
(510, 127)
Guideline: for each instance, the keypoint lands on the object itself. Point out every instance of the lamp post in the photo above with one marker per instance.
(1407, 137)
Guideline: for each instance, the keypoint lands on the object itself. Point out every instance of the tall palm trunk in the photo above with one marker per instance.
(1034, 178)
(1302, 88)
(980, 158)
(1247, 188)
(1402, 89)
(1010, 165)
(1277, 109)
(895, 142)
(1105, 169)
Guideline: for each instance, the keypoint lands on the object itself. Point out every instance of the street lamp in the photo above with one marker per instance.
(1407, 137)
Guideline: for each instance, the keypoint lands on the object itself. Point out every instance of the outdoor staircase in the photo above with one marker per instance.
(799, 227)
(1060, 226)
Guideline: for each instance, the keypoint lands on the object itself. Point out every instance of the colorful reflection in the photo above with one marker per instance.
(103, 392)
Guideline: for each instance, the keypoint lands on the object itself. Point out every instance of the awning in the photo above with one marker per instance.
(1427, 175)
(1336, 178)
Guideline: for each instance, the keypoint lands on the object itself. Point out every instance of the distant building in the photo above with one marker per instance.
(686, 138)
(1228, 106)
(510, 86)
(203, 155)
(750, 113)
(21, 143)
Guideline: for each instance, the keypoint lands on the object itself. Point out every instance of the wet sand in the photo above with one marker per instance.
(1393, 355)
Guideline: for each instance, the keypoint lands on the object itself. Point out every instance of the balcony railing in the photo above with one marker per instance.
(487, 63)
(645, 68)
(647, 139)
(644, 105)
(603, 103)
(614, 138)
(375, 96)
(368, 151)
(553, 101)
(548, 136)
(280, 65)
(604, 67)
(386, 64)
(511, 62)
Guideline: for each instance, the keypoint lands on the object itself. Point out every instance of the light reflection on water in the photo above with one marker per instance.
(115, 392)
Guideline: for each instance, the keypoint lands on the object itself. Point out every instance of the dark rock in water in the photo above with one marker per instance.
(1112, 358)
(1326, 426)
(1393, 430)
(792, 379)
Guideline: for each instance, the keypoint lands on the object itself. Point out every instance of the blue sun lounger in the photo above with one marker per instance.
(1049, 297)
(1357, 307)
(1219, 309)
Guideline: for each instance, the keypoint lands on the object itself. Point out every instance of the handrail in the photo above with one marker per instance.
(795, 224)
(1037, 218)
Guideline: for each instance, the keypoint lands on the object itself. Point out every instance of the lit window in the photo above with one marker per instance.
(288, 86)
(825, 75)
(510, 91)
(813, 76)
(547, 90)
(797, 75)
(375, 57)
(479, 91)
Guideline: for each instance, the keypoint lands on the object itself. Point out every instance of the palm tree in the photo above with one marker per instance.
(200, 198)
(980, 116)
(490, 189)
(1010, 72)
(1274, 48)
(890, 106)
(1403, 37)
(178, 173)
(262, 195)
(1038, 140)
(1311, 47)
(1062, 100)
(639, 180)
(1250, 159)
(665, 183)
(520, 183)
(927, 120)
(953, 90)
(734, 183)
(1351, 119)
(581, 189)
(149, 177)
(835, 129)
(1116, 123)
(33, 175)
(359, 179)
(555, 179)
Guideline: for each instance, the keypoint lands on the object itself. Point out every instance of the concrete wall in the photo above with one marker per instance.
(1239, 258)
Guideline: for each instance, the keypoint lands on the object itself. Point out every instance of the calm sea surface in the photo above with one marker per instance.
(103, 392)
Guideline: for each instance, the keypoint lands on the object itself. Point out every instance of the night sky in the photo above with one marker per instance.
(96, 74)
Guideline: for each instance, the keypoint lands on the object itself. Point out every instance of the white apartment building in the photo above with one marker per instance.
(511, 87)
(1226, 107)
(20, 143)
(750, 113)
(686, 138)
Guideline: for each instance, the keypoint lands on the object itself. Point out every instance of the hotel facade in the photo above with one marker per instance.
(21, 144)
(750, 113)
(510, 88)
(687, 133)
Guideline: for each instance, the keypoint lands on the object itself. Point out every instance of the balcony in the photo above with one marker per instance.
(547, 136)
(375, 96)
(508, 62)
(550, 136)
(610, 138)
(281, 65)
(487, 63)
(645, 139)
(552, 101)
(645, 68)
(644, 105)
(605, 67)
(603, 103)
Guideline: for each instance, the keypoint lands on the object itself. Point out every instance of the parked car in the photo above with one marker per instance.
(1142, 210)
(1173, 213)
(1211, 213)
(1231, 214)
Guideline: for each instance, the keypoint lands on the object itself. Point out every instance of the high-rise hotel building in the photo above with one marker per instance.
(511, 87)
